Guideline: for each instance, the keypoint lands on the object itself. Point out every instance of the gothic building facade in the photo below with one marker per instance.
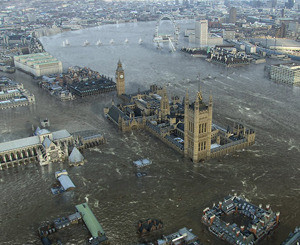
(185, 126)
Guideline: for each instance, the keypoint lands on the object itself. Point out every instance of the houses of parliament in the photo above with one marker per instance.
(184, 125)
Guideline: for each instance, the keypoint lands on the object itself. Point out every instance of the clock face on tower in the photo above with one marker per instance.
(121, 76)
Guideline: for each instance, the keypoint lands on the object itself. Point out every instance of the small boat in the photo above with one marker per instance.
(64, 44)
(112, 41)
(142, 162)
(140, 41)
(126, 40)
(86, 43)
(140, 174)
(67, 42)
(98, 43)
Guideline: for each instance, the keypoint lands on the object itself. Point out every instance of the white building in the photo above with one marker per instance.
(201, 32)
(286, 73)
(38, 64)
(202, 37)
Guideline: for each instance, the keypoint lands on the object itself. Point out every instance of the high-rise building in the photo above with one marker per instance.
(201, 32)
(232, 15)
(290, 4)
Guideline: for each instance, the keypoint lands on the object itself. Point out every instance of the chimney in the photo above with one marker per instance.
(253, 229)
(212, 218)
(260, 206)
(277, 217)
(268, 206)
(237, 233)
(236, 209)
(244, 238)
(227, 224)
(262, 222)
(220, 205)
(205, 210)
(242, 228)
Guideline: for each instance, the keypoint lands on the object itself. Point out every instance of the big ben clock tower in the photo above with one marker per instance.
(120, 79)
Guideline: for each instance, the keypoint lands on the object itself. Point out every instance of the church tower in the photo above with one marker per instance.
(164, 105)
(197, 128)
(120, 79)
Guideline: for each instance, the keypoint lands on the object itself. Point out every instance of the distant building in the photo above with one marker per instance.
(202, 37)
(228, 34)
(286, 73)
(86, 82)
(201, 32)
(290, 4)
(38, 64)
(14, 95)
(232, 15)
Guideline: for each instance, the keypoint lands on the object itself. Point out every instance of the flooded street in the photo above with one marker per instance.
(175, 190)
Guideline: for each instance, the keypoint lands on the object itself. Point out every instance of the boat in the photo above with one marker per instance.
(140, 174)
(67, 42)
(86, 43)
(64, 44)
(126, 40)
(112, 41)
(142, 162)
(140, 41)
(98, 43)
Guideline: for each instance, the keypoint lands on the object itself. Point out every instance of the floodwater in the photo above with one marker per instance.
(175, 190)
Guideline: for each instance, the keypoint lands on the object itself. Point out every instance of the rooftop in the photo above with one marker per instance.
(90, 220)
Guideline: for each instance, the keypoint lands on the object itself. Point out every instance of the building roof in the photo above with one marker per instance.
(20, 143)
(90, 220)
(47, 142)
(76, 156)
(66, 182)
(61, 134)
(115, 112)
(42, 131)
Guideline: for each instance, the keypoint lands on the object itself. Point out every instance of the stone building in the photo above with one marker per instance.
(197, 128)
(14, 95)
(184, 126)
(44, 147)
(38, 64)
(120, 79)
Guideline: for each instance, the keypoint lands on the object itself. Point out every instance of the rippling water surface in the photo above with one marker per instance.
(175, 190)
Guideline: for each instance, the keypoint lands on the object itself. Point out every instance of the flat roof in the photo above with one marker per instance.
(90, 220)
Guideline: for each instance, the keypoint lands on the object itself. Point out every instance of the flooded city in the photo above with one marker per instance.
(175, 190)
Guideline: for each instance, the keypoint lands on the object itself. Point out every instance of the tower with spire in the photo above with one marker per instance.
(120, 79)
(197, 128)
